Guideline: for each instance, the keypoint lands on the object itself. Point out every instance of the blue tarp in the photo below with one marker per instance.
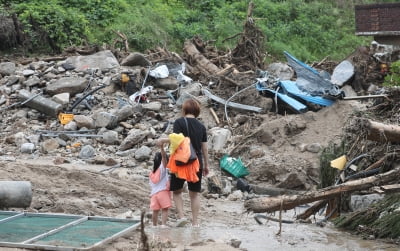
(311, 87)
(311, 81)
(291, 102)
(292, 89)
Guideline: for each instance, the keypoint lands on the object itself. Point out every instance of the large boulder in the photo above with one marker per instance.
(103, 60)
(72, 85)
(7, 68)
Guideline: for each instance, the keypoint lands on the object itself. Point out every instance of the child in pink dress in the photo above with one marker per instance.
(160, 194)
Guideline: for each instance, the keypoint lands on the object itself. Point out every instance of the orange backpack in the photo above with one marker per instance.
(181, 164)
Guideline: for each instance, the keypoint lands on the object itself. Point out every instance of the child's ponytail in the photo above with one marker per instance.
(157, 161)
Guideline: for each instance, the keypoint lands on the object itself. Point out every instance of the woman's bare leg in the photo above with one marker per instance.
(195, 205)
(178, 200)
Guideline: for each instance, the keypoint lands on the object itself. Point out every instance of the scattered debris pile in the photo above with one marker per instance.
(99, 109)
(356, 172)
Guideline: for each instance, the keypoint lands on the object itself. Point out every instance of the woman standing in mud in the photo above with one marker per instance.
(191, 127)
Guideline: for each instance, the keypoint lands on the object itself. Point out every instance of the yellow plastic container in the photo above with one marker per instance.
(339, 163)
(65, 118)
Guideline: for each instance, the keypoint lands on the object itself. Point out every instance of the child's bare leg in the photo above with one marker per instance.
(154, 217)
(164, 216)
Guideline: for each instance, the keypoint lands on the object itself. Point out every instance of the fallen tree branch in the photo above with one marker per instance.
(271, 204)
(214, 115)
(393, 188)
(230, 80)
(53, 59)
(379, 162)
(231, 37)
(124, 39)
(258, 216)
(226, 70)
(312, 210)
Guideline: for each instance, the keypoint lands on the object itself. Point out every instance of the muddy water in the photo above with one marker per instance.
(230, 223)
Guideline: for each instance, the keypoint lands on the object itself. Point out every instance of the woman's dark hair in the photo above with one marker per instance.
(191, 106)
(157, 161)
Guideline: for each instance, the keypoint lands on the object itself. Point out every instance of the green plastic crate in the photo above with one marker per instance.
(233, 166)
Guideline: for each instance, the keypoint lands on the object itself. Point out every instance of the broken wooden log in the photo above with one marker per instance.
(53, 58)
(394, 188)
(272, 204)
(382, 132)
(198, 59)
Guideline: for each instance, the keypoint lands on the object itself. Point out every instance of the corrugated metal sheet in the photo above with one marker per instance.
(291, 102)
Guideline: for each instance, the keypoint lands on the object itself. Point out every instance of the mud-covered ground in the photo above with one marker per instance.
(83, 189)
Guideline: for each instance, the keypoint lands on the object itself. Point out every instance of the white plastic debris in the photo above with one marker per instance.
(135, 98)
(160, 72)
(181, 77)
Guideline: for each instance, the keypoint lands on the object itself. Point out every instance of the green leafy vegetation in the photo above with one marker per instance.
(328, 174)
(308, 29)
(393, 78)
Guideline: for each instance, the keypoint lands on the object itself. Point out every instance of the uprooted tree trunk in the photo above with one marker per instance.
(249, 50)
(283, 202)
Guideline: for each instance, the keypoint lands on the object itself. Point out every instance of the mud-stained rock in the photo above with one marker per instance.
(105, 119)
(134, 137)
(84, 121)
(49, 145)
(103, 60)
(265, 136)
(294, 126)
(72, 85)
(294, 181)
(7, 68)
(135, 59)
(214, 184)
(281, 70)
(265, 170)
